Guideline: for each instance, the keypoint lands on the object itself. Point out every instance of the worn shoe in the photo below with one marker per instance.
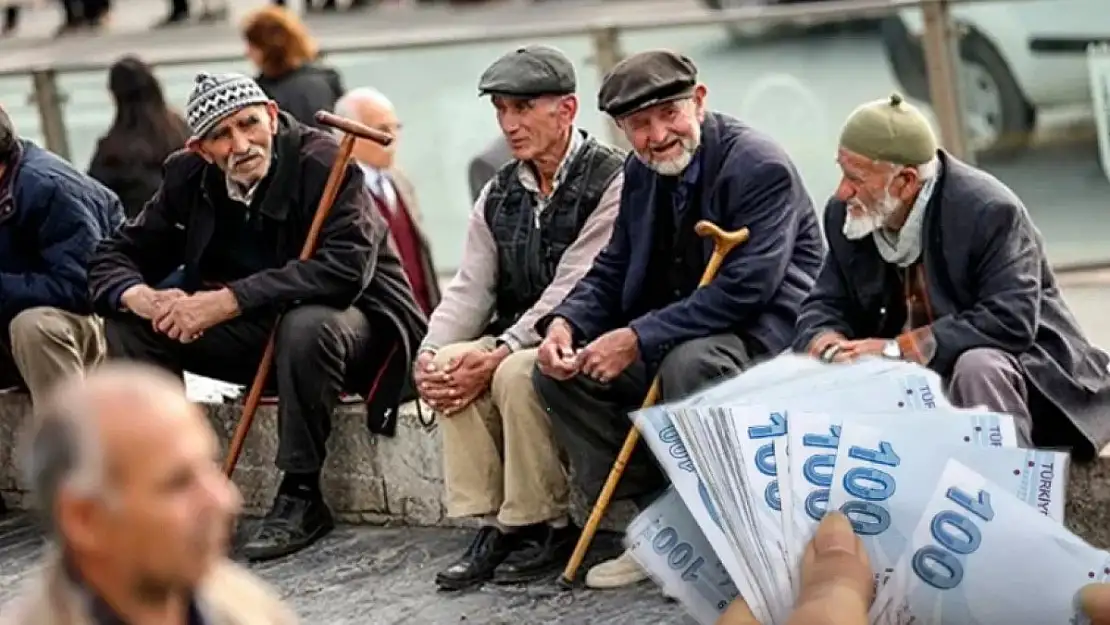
(489, 548)
(543, 551)
(616, 573)
(292, 524)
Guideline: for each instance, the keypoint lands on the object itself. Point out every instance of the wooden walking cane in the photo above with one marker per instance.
(723, 243)
(352, 131)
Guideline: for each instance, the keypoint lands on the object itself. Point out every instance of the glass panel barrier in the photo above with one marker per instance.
(15, 97)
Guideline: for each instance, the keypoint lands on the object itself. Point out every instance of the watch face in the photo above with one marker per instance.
(891, 350)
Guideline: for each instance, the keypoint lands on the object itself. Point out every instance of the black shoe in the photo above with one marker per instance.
(543, 551)
(489, 548)
(292, 524)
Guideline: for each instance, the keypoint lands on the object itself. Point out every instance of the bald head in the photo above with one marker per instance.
(123, 466)
(372, 108)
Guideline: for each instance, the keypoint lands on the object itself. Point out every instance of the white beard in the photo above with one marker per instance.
(678, 164)
(856, 228)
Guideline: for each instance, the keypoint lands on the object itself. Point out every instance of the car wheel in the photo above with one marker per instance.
(998, 117)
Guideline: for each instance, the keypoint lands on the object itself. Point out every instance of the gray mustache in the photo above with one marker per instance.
(238, 158)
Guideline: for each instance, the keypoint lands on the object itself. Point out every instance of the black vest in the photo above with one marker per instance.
(529, 246)
(677, 260)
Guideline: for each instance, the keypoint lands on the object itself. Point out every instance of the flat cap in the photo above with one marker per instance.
(646, 79)
(529, 72)
(890, 130)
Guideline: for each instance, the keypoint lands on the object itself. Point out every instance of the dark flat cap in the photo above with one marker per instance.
(529, 72)
(646, 79)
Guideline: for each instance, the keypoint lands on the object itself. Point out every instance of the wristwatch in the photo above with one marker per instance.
(892, 351)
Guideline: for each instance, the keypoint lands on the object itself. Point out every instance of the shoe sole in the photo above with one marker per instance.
(526, 577)
(274, 554)
(451, 585)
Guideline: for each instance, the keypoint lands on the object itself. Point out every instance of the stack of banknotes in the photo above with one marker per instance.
(960, 524)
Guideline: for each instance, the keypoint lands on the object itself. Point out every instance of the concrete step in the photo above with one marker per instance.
(367, 479)
(375, 480)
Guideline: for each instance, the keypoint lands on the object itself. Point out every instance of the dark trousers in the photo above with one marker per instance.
(9, 373)
(590, 419)
(316, 354)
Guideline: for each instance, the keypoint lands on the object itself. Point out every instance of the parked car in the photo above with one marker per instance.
(1018, 57)
(742, 32)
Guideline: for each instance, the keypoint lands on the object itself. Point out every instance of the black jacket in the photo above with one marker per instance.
(304, 91)
(353, 264)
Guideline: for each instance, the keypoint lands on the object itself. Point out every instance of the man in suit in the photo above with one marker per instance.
(638, 311)
(486, 163)
(392, 192)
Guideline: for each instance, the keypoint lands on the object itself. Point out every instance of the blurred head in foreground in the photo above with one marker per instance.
(125, 472)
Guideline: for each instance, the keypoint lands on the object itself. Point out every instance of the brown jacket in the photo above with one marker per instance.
(407, 194)
(229, 596)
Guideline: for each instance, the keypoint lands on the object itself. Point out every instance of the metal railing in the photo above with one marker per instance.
(939, 45)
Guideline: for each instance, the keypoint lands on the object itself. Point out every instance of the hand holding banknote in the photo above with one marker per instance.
(837, 583)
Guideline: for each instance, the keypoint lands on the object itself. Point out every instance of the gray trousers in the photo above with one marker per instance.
(317, 351)
(590, 419)
(993, 379)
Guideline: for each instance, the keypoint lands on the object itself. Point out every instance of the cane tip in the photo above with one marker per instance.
(564, 584)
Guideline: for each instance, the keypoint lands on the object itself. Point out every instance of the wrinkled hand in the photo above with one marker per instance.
(837, 582)
(462, 380)
(149, 303)
(186, 318)
(432, 383)
(555, 357)
(853, 350)
(609, 355)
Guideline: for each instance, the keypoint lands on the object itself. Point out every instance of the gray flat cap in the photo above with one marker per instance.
(646, 79)
(529, 72)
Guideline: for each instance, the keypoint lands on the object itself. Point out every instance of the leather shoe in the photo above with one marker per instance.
(543, 551)
(489, 548)
(291, 525)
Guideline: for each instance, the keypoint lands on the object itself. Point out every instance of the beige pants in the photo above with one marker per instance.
(499, 455)
(49, 345)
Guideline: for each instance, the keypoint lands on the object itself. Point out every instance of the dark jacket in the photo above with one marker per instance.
(353, 264)
(988, 284)
(132, 166)
(304, 91)
(51, 218)
(746, 180)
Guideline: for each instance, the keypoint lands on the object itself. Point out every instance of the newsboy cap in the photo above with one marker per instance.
(890, 130)
(529, 72)
(646, 79)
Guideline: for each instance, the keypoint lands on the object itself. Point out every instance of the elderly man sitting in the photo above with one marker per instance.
(935, 261)
(234, 209)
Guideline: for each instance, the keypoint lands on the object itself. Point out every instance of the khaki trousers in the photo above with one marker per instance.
(49, 345)
(499, 454)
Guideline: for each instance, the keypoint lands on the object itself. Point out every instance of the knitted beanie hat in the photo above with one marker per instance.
(890, 130)
(215, 96)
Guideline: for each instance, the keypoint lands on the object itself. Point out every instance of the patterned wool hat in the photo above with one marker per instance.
(215, 96)
(890, 130)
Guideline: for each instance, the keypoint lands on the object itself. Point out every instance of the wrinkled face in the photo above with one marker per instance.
(166, 516)
(535, 127)
(242, 143)
(383, 119)
(666, 136)
(877, 194)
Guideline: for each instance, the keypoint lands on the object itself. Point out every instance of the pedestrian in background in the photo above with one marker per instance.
(286, 56)
(128, 158)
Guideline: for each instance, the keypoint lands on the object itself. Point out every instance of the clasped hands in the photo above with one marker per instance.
(603, 359)
(178, 315)
(846, 350)
(838, 583)
(449, 387)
